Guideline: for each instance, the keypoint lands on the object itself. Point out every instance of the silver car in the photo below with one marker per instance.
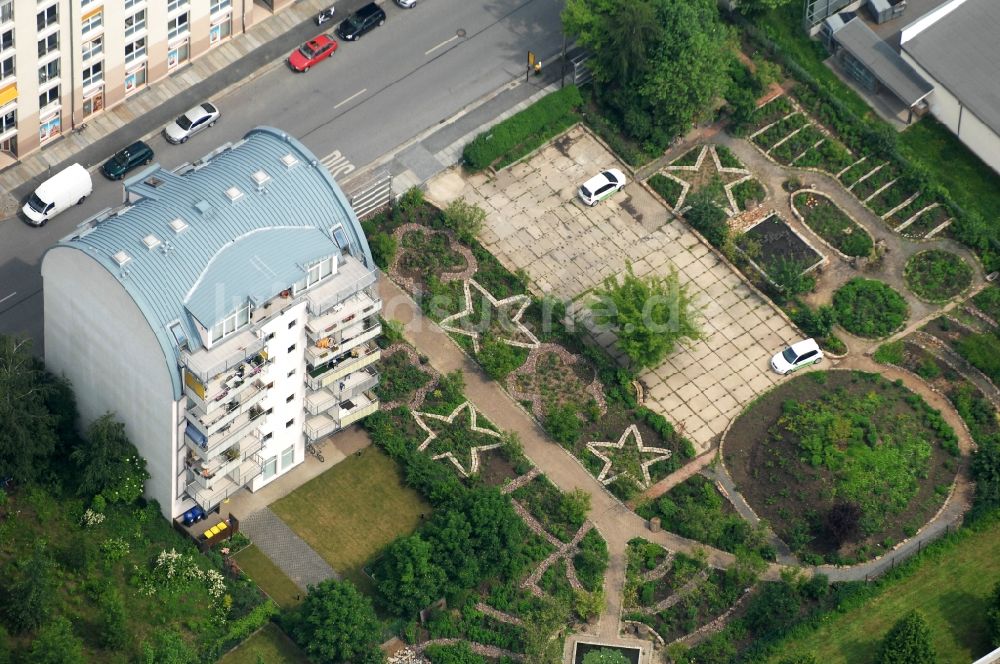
(407, 4)
(191, 122)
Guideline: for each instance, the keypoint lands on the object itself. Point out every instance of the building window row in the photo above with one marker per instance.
(92, 23)
(129, 4)
(135, 50)
(49, 96)
(7, 67)
(135, 22)
(6, 11)
(177, 26)
(93, 74)
(47, 17)
(93, 48)
(6, 39)
(233, 322)
(48, 44)
(8, 121)
(220, 6)
(174, 5)
(49, 71)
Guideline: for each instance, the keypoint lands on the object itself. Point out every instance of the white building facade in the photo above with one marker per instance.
(227, 314)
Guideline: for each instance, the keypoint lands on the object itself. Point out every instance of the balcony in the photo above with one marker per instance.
(340, 416)
(352, 385)
(361, 305)
(338, 343)
(228, 485)
(352, 277)
(208, 447)
(210, 421)
(206, 364)
(359, 357)
(212, 393)
(208, 474)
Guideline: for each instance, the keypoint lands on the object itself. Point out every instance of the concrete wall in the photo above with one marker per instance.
(98, 338)
(979, 138)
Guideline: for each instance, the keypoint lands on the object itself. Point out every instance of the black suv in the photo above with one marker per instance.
(125, 160)
(361, 22)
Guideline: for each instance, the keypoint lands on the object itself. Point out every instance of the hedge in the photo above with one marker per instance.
(523, 132)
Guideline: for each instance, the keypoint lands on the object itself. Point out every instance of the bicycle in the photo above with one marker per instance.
(312, 449)
(80, 127)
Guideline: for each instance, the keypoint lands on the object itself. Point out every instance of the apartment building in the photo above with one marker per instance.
(62, 61)
(226, 313)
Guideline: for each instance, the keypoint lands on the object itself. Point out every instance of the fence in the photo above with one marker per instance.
(901, 557)
(817, 10)
(372, 193)
(581, 72)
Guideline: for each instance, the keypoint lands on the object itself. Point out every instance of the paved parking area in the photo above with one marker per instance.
(536, 223)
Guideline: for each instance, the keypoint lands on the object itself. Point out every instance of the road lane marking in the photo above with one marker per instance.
(4, 299)
(337, 164)
(446, 41)
(356, 94)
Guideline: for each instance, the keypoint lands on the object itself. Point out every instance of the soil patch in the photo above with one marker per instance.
(772, 241)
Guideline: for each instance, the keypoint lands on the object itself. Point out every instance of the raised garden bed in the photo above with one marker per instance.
(772, 241)
(842, 464)
(829, 156)
(726, 157)
(689, 158)
(552, 508)
(988, 301)
(904, 213)
(858, 170)
(428, 254)
(768, 113)
(926, 222)
(936, 275)
(668, 188)
(832, 224)
(554, 382)
(631, 655)
(748, 191)
(797, 144)
(876, 181)
(399, 378)
(869, 308)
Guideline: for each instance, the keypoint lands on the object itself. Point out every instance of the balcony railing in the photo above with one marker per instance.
(208, 447)
(351, 385)
(337, 418)
(210, 422)
(340, 316)
(204, 366)
(210, 394)
(209, 498)
(351, 278)
(209, 473)
(341, 342)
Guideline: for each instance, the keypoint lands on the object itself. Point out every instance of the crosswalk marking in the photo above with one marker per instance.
(337, 164)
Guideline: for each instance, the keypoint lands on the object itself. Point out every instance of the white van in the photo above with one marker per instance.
(68, 187)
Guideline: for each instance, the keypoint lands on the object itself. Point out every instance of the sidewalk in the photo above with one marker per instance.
(225, 68)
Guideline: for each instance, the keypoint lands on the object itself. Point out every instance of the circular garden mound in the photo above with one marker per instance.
(842, 464)
(937, 276)
(869, 308)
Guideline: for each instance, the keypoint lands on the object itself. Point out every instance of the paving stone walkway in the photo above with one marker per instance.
(288, 551)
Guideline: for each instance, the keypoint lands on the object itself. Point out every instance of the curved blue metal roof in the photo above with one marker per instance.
(236, 246)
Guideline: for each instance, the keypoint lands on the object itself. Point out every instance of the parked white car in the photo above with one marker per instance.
(67, 188)
(599, 187)
(201, 116)
(797, 355)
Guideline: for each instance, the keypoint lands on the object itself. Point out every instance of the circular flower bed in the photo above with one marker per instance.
(869, 308)
(937, 276)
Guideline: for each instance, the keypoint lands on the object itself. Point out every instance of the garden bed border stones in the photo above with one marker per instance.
(525, 300)
(707, 148)
(418, 397)
(473, 451)
(801, 218)
(715, 625)
(471, 264)
(529, 367)
(962, 294)
(638, 625)
(773, 213)
(632, 432)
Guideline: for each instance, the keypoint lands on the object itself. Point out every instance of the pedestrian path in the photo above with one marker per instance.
(297, 560)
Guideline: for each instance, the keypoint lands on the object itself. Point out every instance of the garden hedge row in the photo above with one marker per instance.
(524, 131)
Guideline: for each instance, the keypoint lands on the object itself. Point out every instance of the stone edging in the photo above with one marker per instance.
(823, 260)
(471, 264)
(956, 296)
(418, 397)
(529, 368)
(801, 218)
(716, 624)
(637, 623)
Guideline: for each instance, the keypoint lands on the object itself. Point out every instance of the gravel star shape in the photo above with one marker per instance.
(631, 432)
(474, 450)
(448, 324)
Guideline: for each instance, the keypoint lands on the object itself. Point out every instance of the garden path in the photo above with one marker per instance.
(297, 560)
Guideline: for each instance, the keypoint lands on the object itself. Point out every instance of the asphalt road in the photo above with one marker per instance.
(414, 72)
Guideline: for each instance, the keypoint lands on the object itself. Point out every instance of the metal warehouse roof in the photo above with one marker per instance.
(882, 60)
(961, 51)
(203, 240)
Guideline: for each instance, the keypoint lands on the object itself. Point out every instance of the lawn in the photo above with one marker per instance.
(349, 513)
(971, 183)
(950, 586)
(268, 645)
(268, 576)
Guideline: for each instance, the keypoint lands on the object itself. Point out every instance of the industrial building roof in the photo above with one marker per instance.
(241, 225)
(961, 51)
(882, 60)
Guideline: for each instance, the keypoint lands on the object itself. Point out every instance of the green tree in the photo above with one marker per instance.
(336, 623)
(168, 647)
(649, 315)
(56, 644)
(758, 7)
(800, 659)
(605, 656)
(657, 64)
(408, 577)
(28, 435)
(706, 217)
(450, 533)
(34, 590)
(573, 506)
(498, 358)
(112, 625)
(464, 218)
(563, 424)
(109, 463)
(993, 616)
(908, 642)
(458, 653)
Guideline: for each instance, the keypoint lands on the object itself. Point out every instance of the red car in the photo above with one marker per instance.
(310, 53)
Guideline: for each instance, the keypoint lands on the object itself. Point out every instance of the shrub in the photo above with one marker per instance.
(563, 424)
(536, 123)
(465, 219)
(408, 577)
(498, 358)
(458, 653)
(383, 248)
(937, 275)
(336, 623)
(667, 188)
(56, 644)
(983, 352)
(869, 308)
(890, 353)
(707, 218)
(908, 642)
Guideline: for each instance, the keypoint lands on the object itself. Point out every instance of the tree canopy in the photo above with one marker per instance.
(649, 315)
(908, 642)
(657, 64)
(29, 434)
(336, 623)
(109, 463)
(408, 577)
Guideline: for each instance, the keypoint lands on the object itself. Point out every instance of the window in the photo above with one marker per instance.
(270, 468)
(290, 398)
(50, 96)
(135, 79)
(135, 50)
(174, 5)
(47, 17)
(93, 48)
(267, 436)
(269, 337)
(177, 26)
(219, 5)
(291, 373)
(287, 457)
(47, 72)
(135, 23)
(7, 39)
(92, 23)
(48, 44)
(291, 324)
(231, 323)
(129, 4)
(289, 423)
(93, 74)
(8, 121)
(6, 11)
(7, 67)
(291, 348)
